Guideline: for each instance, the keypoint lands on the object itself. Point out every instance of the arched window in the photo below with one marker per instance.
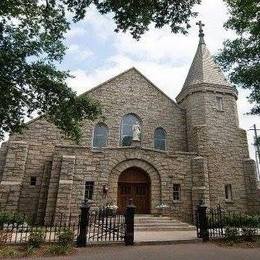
(127, 128)
(100, 135)
(160, 139)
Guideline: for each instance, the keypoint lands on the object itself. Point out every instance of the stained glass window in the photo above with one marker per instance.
(127, 128)
(160, 139)
(100, 136)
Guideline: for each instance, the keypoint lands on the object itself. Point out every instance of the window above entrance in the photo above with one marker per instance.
(100, 135)
(128, 123)
(160, 139)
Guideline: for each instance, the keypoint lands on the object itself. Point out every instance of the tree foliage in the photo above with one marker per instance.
(241, 56)
(135, 16)
(31, 43)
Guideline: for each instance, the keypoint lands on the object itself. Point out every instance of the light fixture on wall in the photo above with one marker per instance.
(105, 189)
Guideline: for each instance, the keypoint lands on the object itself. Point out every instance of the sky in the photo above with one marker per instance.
(96, 53)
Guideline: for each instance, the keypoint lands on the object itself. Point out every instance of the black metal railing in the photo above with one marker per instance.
(88, 227)
(215, 223)
(16, 228)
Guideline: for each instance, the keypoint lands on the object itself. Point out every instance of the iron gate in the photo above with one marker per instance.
(105, 227)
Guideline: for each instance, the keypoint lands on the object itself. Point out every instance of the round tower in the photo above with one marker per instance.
(213, 132)
(207, 96)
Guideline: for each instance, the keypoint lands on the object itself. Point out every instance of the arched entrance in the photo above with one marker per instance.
(134, 183)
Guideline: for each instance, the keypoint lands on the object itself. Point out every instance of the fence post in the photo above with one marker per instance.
(203, 223)
(129, 223)
(83, 224)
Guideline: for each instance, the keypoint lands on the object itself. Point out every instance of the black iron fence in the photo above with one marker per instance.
(215, 223)
(89, 227)
(15, 228)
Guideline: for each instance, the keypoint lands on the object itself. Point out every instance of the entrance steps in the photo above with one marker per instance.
(152, 223)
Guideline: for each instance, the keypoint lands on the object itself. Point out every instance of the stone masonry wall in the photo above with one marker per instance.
(104, 168)
(227, 149)
(13, 173)
(41, 138)
(194, 105)
(130, 92)
(215, 135)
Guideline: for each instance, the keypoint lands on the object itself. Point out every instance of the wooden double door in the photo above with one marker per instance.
(134, 183)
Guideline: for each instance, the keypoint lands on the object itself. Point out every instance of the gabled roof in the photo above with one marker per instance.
(111, 79)
(137, 71)
(204, 69)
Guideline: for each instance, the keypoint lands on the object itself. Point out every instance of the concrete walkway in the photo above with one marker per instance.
(199, 251)
(153, 237)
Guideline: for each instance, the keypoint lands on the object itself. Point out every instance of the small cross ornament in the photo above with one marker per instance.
(201, 33)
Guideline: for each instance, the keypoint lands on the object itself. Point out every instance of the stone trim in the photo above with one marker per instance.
(66, 181)
(104, 149)
(214, 88)
(10, 183)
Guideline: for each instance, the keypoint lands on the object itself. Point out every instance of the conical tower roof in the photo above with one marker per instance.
(203, 69)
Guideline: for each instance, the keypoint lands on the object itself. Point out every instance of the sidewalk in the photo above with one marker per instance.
(199, 251)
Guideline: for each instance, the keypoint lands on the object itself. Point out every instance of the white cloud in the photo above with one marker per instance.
(75, 32)
(79, 53)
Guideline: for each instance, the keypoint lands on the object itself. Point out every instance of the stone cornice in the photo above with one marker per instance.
(170, 154)
(215, 88)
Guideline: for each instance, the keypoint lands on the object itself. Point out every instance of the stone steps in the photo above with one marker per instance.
(151, 223)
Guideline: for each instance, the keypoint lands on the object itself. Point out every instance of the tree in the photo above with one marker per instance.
(241, 56)
(31, 44)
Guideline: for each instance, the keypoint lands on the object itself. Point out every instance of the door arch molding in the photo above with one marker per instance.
(155, 180)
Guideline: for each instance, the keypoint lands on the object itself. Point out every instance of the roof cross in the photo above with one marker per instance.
(201, 33)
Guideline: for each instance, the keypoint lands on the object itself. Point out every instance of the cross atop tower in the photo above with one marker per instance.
(201, 33)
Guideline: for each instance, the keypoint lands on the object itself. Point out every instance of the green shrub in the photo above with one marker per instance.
(239, 221)
(58, 249)
(231, 234)
(30, 250)
(11, 218)
(249, 234)
(66, 237)
(8, 252)
(36, 238)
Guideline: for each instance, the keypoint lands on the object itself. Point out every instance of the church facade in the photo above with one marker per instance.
(145, 146)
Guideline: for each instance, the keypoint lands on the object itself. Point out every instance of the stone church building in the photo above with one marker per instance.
(145, 146)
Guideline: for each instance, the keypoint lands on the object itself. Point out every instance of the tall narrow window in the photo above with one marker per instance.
(176, 192)
(127, 124)
(33, 181)
(219, 103)
(160, 139)
(89, 187)
(100, 136)
(228, 192)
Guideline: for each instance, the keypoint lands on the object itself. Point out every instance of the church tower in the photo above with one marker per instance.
(213, 133)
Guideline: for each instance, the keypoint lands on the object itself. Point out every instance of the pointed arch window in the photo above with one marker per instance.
(100, 135)
(127, 128)
(160, 139)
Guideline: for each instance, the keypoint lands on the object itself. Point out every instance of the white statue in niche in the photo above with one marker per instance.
(136, 132)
